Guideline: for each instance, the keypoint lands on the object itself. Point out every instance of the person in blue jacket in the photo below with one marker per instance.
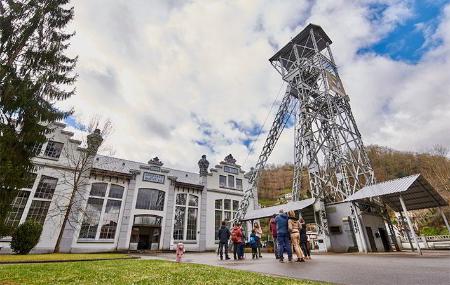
(284, 245)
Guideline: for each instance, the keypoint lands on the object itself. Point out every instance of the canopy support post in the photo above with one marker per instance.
(445, 219)
(407, 234)
(410, 225)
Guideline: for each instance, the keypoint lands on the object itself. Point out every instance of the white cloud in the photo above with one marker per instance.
(150, 65)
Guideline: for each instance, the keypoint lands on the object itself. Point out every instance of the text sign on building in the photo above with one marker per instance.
(230, 169)
(153, 177)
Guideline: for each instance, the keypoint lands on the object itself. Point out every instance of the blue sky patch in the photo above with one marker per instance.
(71, 121)
(410, 40)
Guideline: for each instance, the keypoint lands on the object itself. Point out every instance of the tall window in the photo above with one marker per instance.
(53, 149)
(17, 207)
(185, 225)
(42, 199)
(238, 184)
(222, 181)
(230, 181)
(150, 199)
(46, 187)
(102, 211)
(225, 210)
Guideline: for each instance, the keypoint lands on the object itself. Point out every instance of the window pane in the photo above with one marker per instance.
(36, 150)
(219, 204)
(227, 216)
(193, 201)
(217, 221)
(53, 149)
(222, 181)
(38, 211)
(235, 205)
(239, 184)
(181, 199)
(116, 191)
(98, 189)
(110, 219)
(231, 181)
(147, 220)
(227, 204)
(178, 226)
(46, 187)
(91, 218)
(191, 233)
(17, 207)
(150, 199)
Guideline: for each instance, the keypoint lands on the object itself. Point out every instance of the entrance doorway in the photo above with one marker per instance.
(146, 232)
(384, 239)
(373, 246)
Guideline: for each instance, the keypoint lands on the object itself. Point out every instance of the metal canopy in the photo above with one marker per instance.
(415, 190)
(302, 39)
(270, 211)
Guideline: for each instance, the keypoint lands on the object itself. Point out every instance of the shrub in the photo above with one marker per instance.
(25, 237)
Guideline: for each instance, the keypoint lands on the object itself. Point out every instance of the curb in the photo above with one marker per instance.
(72, 260)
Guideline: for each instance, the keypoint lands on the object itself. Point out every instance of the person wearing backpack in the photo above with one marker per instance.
(273, 231)
(236, 238)
(284, 245)
(224, 236)
(253, 242)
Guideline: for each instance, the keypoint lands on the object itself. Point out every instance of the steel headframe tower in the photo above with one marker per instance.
(328, 145)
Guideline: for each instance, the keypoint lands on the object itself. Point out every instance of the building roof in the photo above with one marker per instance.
(415, 190)
(302, 39)
(270, 211)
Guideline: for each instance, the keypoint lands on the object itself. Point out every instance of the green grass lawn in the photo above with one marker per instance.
(132, 272)
(59, 256)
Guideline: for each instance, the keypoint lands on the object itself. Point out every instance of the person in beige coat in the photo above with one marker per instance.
(294, 230)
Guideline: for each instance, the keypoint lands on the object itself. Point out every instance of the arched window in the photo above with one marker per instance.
(186, 217)
(150, 199)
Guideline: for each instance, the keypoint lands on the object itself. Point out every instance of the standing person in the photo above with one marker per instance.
(179, 251)
(273, 230)
(236, 238)
(294, 229)
(258, 233)
(283, 236)
(304, 242)
(224, 236)
(242, 244)
(254, 244)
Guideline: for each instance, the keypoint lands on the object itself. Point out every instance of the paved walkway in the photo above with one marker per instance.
(381, 268)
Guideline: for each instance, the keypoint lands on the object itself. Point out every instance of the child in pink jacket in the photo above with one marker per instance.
(179, 251)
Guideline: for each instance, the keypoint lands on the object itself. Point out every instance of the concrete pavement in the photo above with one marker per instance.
(382, 268)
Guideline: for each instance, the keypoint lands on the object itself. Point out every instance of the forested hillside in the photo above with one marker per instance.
(387, 164)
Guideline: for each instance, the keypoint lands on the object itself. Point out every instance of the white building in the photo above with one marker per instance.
(121, 204)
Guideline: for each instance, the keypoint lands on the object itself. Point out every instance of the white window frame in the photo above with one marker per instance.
(186, 217)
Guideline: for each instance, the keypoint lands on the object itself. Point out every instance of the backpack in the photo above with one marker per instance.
(252, 241)
(234, 235)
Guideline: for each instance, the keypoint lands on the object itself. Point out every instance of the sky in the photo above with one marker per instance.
(179, 79)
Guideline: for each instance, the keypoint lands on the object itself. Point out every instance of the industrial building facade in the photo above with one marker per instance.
(125, 205)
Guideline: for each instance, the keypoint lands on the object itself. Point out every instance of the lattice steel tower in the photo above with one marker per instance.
(328, 149)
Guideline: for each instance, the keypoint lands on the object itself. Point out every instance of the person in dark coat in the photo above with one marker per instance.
(224, 236)
(304, 242)
(284, 245)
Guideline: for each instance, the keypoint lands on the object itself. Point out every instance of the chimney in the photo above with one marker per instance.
(94, 141)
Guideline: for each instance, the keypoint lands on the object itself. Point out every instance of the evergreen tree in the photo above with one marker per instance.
(35, 73)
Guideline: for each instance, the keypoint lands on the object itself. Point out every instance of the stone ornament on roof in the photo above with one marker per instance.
(203, 165)
(230, 159)
(155, 161)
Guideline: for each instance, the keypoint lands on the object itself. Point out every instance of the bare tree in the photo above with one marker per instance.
(79, 159)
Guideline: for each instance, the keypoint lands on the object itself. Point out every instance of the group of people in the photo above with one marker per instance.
(287, 231)
(238, 239)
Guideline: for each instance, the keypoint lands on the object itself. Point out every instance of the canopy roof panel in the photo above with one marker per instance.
(270, 211)
(415, 190)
